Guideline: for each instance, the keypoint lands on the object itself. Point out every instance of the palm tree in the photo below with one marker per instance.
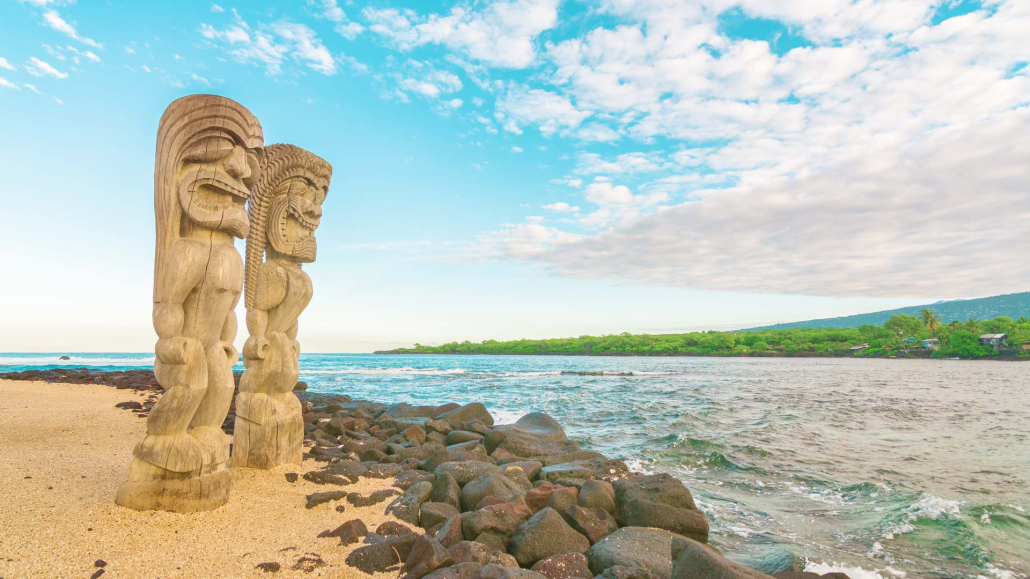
(930, 320)
(973, 325)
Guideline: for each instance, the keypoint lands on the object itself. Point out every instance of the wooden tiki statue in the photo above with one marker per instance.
(285, 208)
(207, 162)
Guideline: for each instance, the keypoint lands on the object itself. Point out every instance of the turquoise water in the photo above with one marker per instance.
(889, 468)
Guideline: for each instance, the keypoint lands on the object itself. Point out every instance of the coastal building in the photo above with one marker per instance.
(909, 341)
(996, 341)
(931, 344)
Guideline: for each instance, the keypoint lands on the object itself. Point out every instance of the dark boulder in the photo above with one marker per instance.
(697, 561)
(660, 501)
(594, 524)
(316, 499)
(446, 490)
(498, 519)
(489, 485)
(499, 572)
(465, 471)
(649, 549)
(425, 557)
(406, 507)
(349, 532)
(544, 534)
(599, 468)
(383, 555)
(432, 514)
(463, 416)
(535, 434)
(466, 551)
(564, 566)
(597, 494)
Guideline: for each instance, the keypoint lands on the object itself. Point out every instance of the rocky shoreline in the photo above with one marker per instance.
(481, 500)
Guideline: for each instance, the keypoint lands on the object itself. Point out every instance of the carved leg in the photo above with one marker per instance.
(269, 429)
(172, 470)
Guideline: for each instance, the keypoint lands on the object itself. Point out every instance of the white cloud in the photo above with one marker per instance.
(199, 79)
(344, 27)
(88, 54)
(4, 83)
(39, 68)
(32, 87)
(552, 112)
(270, 45)
(626, 163)
(516, 149)
(561, 207)
(502, 33)
(5, 64)
(217, 9)
(54, 20)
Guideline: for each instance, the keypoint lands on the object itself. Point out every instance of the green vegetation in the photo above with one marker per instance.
(900, 336)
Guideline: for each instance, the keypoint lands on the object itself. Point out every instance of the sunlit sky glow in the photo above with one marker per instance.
(535, 168)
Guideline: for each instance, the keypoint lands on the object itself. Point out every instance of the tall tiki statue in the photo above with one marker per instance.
(207, 149)
(285, 208)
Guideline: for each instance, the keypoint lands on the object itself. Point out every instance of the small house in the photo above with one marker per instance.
(931, 344)
(909, 341)
(996, 341)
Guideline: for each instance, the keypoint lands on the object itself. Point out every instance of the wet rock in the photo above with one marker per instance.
(408, 478)
(662, 502)
(374, 498)
(406, 507)
(585, 469)
(382, 556)
(498, 519)
(300, 386)
(316, 499)
(460, 436)
(460, 417)
(623, 572)
(450, 533)
(544, 534)
(493, 439)
(465, 471)
(564, 566)
(432, 514)
(563, 498)
(490, 485)
(131, 405)
(573, 456)
(697, 561)
(269, 567)
(459, 571)
(446, 490)
(594, 524)
(531, 468)
(466, 551)
(649, 549)
(415, 433)
(499, 572)
(425, 557)
(307, 564)
(441, 410)
(495, 542)
(341, 473)
(535, 434)
(349, 532)
(597, 494)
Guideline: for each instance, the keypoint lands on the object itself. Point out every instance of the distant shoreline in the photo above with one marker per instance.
(842, 355)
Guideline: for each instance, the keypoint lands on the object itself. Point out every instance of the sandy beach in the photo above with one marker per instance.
(65, 448)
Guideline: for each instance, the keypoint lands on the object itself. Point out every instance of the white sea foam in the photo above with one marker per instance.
(506, 416)
(75, 361)
(931, 507)
(854, 572)
(527, 374)
(999, 573)
(392, 371)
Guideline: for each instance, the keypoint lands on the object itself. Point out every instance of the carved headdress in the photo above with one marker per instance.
(282, 168)
(193, 130)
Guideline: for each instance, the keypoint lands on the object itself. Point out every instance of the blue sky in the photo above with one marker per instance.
(534, 168)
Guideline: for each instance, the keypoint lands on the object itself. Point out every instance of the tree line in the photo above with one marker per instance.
(955, 339)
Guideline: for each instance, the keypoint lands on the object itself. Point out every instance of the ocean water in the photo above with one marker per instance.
(879, 468)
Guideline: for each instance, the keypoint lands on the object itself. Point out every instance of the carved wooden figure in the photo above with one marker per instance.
(206, 163)
(285, 208)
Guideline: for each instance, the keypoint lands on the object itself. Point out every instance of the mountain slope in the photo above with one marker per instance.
(1011, 305)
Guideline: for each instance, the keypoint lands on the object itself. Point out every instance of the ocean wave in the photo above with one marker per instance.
(855, 572)
(506, 416)
(75, 361)
(392, 371)
(931, 507)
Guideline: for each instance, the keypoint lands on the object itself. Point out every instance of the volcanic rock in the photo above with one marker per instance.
(564, 566)
(544, 534)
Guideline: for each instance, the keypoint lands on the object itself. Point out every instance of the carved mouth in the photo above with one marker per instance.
(223, 183)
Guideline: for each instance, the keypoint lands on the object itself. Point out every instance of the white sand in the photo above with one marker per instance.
(76, 447)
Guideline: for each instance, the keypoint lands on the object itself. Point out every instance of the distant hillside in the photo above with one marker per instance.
(1011, 305)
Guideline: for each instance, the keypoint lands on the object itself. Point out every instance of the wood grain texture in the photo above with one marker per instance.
(205, 166)
(285, 209)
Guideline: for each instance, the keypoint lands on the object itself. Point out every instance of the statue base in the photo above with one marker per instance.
(205, 492)
(278, 437)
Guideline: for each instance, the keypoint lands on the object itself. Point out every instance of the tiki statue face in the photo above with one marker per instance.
(216, 173)
(295, 212)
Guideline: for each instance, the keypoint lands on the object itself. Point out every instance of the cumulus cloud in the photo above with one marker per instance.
(343, 26)
(5, 64)
(561, 207)
(54, 20)
(872, 162)
(4, 83)
(502, 33)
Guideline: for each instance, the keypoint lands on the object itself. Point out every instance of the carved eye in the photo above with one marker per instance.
(208, 148)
